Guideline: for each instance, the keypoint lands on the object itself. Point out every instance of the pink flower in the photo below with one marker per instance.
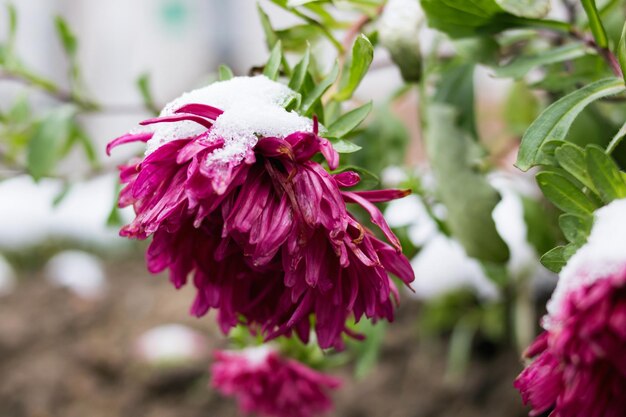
(267, 384)
(579, 365)
(261, 225)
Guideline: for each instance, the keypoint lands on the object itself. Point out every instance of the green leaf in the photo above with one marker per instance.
(564, 194)
(88, 147)
(67, 37)
(605, 174)
(595, 23)
(555, 121)
(526, 8)
(225, 73)
(520, 66)
(617, 139)
(621, 50)
(521, 108)
(554, 260)
(273, 64)
(466, 194)
(362, 56)
(456, 88)
(343, 146)
(143, 84)
(270, 34)
(349, 121)
(300, 71)
(297, 37)
(572, 159)
(576, 228)
(316, 93)
(46, 145)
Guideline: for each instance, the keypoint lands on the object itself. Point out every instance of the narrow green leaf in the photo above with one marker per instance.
(456, 88)
(554, 260)
(88, 147)
(520, 66)
(595, 23)
(225, 73)
(272, 67)
(555, 121)
(362, 56)
(621, 51)
(270, 34)
(605, 174)
(300, 71)
(349, 121)
(572, 159)
(67, 37)
(143, 84)
(617, 139)
(564, 194)
(343, 146)
(316, 93)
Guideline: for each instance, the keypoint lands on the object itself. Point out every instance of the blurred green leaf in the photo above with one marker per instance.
(555, 121)
(521, 65)
(272, 67)
(349, 121)
(526, 8)
(521, 108)
(225, 73)
(456, 88)
(564, 194)
(45, 147)
(343, 146)
(621, 50)
(67, 37)
(270, 34)
(143, 84)
(300, 71)
(296, 38)
(467, 195)
(355, 70)
(605, 174)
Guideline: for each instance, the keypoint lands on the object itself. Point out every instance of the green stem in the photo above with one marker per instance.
(595, 23)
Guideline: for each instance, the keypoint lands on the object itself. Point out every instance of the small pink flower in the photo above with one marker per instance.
(265, 383)
(579, 363)
(260, 224)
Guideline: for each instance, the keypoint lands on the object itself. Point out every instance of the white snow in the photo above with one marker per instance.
(80, 272)
(28, 218)
(253, 106)
(442, 266)
(7, 277)
(393, 176)
(171, 343)
(400, 21)
(603, 255)
(410, 211)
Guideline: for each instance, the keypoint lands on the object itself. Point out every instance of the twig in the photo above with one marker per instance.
(605, 52)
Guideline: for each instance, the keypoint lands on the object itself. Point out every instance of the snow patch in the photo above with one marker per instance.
(603, 255)
(171, 343)
(80, 272)
(253, 107)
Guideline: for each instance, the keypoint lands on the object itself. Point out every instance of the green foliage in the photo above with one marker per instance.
(555, 121)
(466, 194)
(356, 68)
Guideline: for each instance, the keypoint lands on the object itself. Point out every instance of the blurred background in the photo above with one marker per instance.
(86, 331)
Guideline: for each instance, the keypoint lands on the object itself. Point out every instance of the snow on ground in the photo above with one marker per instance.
(80, 272)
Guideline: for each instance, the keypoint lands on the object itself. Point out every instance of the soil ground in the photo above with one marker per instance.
(65, 357)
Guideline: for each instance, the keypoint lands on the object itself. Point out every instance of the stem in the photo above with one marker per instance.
(604, 52)
(595, 23)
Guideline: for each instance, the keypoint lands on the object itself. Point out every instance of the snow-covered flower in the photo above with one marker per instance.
(265, 383)
(579, 362)
(229, 191)
(170, 343)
